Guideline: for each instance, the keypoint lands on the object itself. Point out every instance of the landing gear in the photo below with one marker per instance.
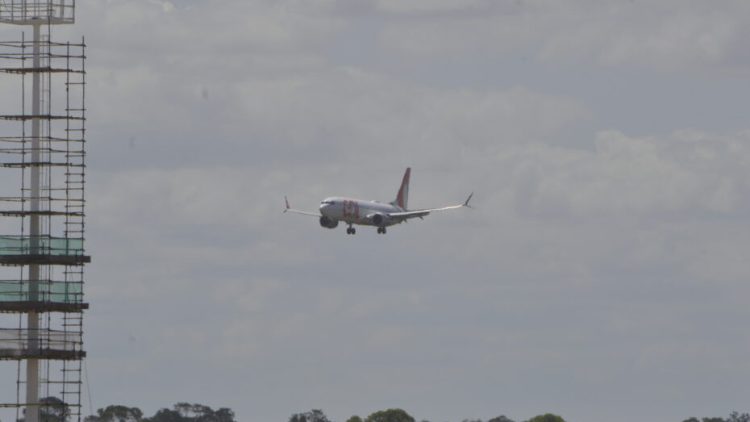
(351, 230)
(381, 230)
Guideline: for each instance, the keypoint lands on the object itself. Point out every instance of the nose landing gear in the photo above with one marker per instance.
(381, 230)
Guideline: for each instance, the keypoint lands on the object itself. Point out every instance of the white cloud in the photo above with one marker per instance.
(360, 117)
(690, 172)
(426, 5)
(663, 35)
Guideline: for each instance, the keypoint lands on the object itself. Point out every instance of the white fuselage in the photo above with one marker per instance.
(357, 211)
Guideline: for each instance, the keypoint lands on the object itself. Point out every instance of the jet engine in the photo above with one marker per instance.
(328, 223)
(380, 220)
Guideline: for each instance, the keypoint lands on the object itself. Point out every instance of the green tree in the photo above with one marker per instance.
(51, 409)
(733, 417)
(737, 417)
(354, 418)
(166, 415)
(315, 415)
(186, 412)
(390, 415)
(501, 418)
(548, 417)
(200, 413)
(116, 413)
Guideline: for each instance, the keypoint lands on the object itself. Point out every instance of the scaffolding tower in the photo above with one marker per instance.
(42, 154)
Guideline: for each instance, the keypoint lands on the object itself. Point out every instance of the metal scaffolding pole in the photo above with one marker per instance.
(32, 365)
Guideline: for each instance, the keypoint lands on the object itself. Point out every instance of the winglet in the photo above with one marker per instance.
(286, 203)
(466, 203)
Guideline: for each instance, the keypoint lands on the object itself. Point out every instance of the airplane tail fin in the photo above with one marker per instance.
(402, 198)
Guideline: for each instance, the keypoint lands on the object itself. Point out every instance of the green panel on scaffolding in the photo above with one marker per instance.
(57, 292)
(56, 246)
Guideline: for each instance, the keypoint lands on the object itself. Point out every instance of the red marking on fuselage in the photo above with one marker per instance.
(351, 209)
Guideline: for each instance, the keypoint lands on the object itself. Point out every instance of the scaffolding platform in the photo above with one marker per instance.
(42, 250)
(23, 70)
(41, 164)
(30, 12)
(20, 117)
(16, 344)
(40, 245)
(48, 354)
(26, 306)
(23, 213)
(16, 296)
(16, 260)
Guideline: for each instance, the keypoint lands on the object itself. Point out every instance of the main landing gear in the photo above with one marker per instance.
(352, 230)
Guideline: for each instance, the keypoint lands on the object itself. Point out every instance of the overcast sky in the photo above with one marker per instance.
(603, 274)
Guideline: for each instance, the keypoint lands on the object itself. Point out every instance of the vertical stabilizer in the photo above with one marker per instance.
(403, 193)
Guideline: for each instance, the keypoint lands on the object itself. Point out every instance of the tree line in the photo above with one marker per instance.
(733, 417)
(400, 415)
(55, 410)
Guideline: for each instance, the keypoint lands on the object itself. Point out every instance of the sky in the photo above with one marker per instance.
(601, 275)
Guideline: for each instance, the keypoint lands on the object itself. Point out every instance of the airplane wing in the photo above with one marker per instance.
(421, 213)
(287, 208)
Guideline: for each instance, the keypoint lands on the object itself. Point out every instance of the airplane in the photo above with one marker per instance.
(370, 213)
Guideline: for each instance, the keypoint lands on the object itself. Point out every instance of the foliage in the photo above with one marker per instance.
(354, 418)
(501, 418)
(166, 415)
(181, 412)
(733, 417)
(52, 409)
(548, 417)
(737, 417)
(390, 415)
(315, 415)
(116, 413)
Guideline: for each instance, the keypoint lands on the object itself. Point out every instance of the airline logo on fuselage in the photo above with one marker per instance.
(350, 210)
